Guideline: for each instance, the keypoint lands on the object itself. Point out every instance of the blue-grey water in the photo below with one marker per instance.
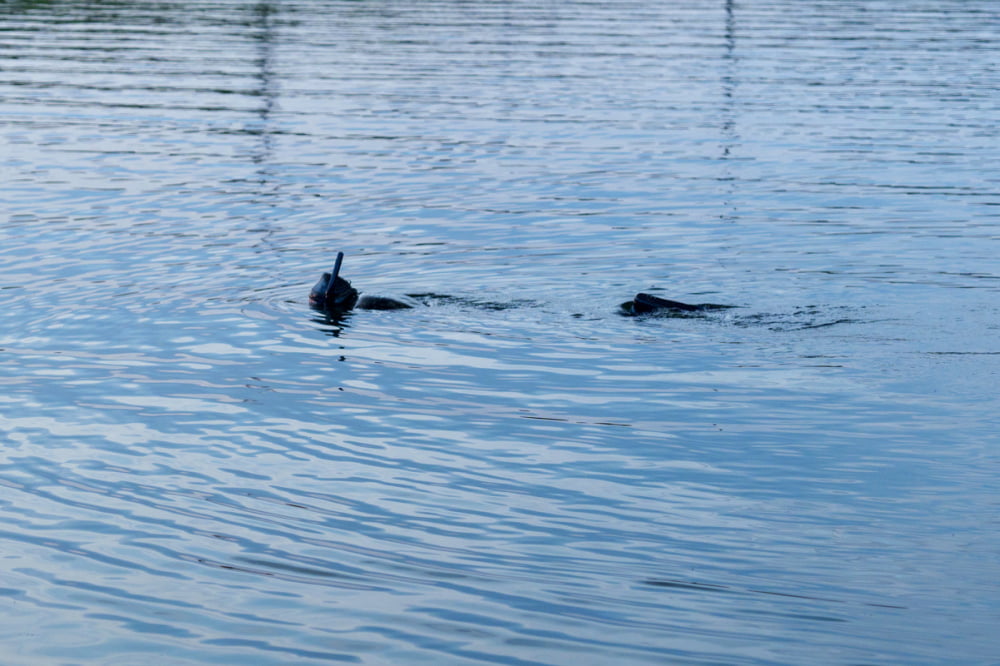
(196, 468)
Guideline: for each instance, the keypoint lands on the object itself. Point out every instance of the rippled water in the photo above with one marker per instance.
(198, 469)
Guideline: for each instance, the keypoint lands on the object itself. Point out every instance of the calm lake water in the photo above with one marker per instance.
(197, 468)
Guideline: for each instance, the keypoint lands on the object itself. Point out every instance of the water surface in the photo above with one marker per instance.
(198, 469)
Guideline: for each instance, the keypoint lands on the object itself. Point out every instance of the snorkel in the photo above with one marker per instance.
(333, 277)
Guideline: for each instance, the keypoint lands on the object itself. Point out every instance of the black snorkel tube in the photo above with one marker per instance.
(333, 276)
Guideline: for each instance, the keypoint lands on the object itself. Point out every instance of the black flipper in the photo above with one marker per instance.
(648, 303)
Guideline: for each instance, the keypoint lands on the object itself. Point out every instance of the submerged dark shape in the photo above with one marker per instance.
(647, 303)
(333, 293)
(335, 296)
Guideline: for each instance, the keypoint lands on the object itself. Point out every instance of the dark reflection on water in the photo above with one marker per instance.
(197, 468)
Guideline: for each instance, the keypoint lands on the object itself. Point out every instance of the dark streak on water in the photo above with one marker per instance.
(198, 469)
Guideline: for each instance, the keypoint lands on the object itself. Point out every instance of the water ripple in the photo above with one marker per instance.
(196, 467)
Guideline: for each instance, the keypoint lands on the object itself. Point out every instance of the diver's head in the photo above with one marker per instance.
(332, 292)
